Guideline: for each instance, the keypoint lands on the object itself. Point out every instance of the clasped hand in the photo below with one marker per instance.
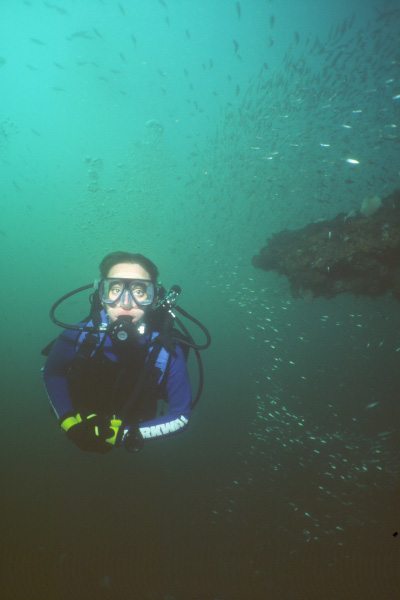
(94, 433)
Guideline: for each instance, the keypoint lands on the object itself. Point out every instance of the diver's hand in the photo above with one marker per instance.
(88, 433)
(132, 439)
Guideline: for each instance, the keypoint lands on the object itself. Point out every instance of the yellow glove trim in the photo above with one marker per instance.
(115, 424)
(69, 422)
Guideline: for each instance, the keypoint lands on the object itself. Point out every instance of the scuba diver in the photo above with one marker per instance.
(106, 375)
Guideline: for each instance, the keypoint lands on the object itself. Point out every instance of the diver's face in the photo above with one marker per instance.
(126, 271)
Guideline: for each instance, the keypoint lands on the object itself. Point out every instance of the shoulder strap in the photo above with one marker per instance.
(135, 399)
(85, 349)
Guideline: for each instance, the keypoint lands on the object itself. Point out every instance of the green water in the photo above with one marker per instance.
(190, 131)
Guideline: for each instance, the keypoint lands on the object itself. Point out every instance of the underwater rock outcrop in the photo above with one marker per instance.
(351, 253)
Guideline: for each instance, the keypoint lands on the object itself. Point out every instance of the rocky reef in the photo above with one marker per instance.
(356, 253)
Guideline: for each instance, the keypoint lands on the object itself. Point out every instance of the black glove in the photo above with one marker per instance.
(89, 433)
(132, 439)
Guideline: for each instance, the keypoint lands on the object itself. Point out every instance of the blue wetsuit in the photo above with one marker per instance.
(173, 382)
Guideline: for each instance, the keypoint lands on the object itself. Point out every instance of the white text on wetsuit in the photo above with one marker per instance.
(163, 428)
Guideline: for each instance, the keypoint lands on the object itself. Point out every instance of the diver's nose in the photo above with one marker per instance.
(126, 300)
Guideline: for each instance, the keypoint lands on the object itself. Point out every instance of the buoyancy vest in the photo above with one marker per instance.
(103, 386)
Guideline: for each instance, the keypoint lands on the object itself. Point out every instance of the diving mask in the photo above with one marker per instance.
(115, 289)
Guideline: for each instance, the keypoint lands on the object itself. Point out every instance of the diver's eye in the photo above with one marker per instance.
(139, 293)
(115, 290)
